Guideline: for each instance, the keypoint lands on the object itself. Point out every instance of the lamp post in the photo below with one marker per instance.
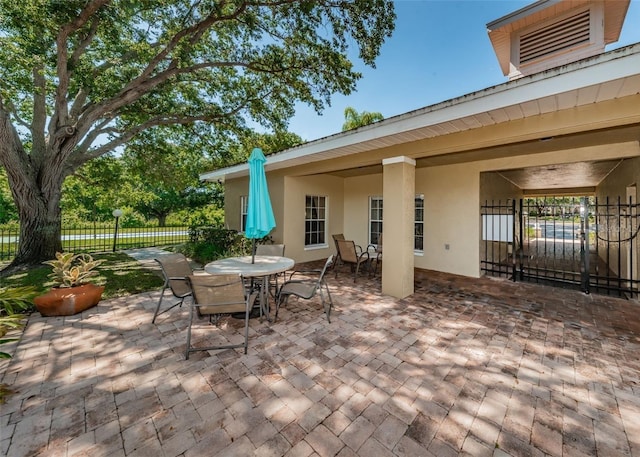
(116, 213)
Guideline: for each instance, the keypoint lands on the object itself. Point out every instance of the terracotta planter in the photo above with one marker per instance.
(66, 301)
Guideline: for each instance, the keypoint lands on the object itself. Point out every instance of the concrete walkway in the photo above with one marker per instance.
(463, 367)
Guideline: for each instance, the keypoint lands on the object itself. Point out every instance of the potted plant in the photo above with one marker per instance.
(72, 293)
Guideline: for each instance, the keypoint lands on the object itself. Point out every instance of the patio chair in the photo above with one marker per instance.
(270, 249)
(340, 237)
(350, 256)
(175, 269)
(214, 296)
(307, 288)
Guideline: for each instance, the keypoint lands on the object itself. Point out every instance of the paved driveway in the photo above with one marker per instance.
(463, 367)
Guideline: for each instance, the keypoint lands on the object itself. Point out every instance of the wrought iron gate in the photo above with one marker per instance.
(571, 241)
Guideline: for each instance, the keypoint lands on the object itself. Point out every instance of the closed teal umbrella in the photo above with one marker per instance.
(260, 219)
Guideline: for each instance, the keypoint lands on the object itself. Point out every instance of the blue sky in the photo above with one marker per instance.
(439, 50)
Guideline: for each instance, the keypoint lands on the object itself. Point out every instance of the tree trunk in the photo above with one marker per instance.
(40, 230)
(39, 235)
(162, 220)
(36, 187)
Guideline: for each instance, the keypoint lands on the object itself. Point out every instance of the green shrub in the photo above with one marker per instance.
(14, 300)
(211, 243)
(208, 215)
(131, 219)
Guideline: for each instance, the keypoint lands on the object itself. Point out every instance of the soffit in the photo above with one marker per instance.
(624, 138)
(613, 75)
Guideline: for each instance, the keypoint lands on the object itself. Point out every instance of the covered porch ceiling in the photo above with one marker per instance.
(584, 175)
(581, 177)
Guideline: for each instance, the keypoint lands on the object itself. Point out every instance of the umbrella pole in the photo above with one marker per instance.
(253, 251)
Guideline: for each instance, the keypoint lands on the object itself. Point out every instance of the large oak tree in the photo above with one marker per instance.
(81, 78)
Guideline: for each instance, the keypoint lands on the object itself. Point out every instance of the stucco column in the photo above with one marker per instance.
(398, 193)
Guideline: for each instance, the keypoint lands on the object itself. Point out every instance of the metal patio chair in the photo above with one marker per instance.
(175, 269)
(307, 288)
(217, 295)
(350, 256)
(340, 237)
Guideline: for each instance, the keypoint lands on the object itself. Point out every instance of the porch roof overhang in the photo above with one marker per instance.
(608, 76)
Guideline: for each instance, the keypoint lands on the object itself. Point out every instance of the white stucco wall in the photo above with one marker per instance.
(451, 195)
(452, 205)
(295, 191)
(357, 192)
(614, 186)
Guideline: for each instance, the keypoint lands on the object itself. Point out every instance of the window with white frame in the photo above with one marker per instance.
(375, 219)
(419, 224)
(244, 205)
(315, 220)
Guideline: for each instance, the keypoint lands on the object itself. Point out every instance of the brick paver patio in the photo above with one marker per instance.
(476, 367)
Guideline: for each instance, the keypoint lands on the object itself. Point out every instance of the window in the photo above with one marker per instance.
(244, 204)
(375, 219)
(315, 220)
(419, 224)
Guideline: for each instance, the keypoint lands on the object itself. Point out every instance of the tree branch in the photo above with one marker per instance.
(85, 42)
(143, 83)
(11, 109)
(98, 130)
(39, 114)
(78, 103)
(156, 122)
(60, 112)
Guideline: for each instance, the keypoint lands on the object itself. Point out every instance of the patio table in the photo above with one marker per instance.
(264, 266)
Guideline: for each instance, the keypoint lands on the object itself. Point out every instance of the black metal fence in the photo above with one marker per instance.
(101, 238)
(499, 231)
(580, 242)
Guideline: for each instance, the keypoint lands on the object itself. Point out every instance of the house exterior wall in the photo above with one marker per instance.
(234, 189)
(357, 192)
(451, 195)
(295, 190)
(626, 175)
(276, 192)
(615, 184)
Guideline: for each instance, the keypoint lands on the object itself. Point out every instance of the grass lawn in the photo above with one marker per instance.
(120, 274)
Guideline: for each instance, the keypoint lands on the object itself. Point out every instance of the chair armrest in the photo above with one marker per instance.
(301, 281)
(177, 277)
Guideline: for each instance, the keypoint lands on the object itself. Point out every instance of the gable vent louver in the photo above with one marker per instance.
(555, 37)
